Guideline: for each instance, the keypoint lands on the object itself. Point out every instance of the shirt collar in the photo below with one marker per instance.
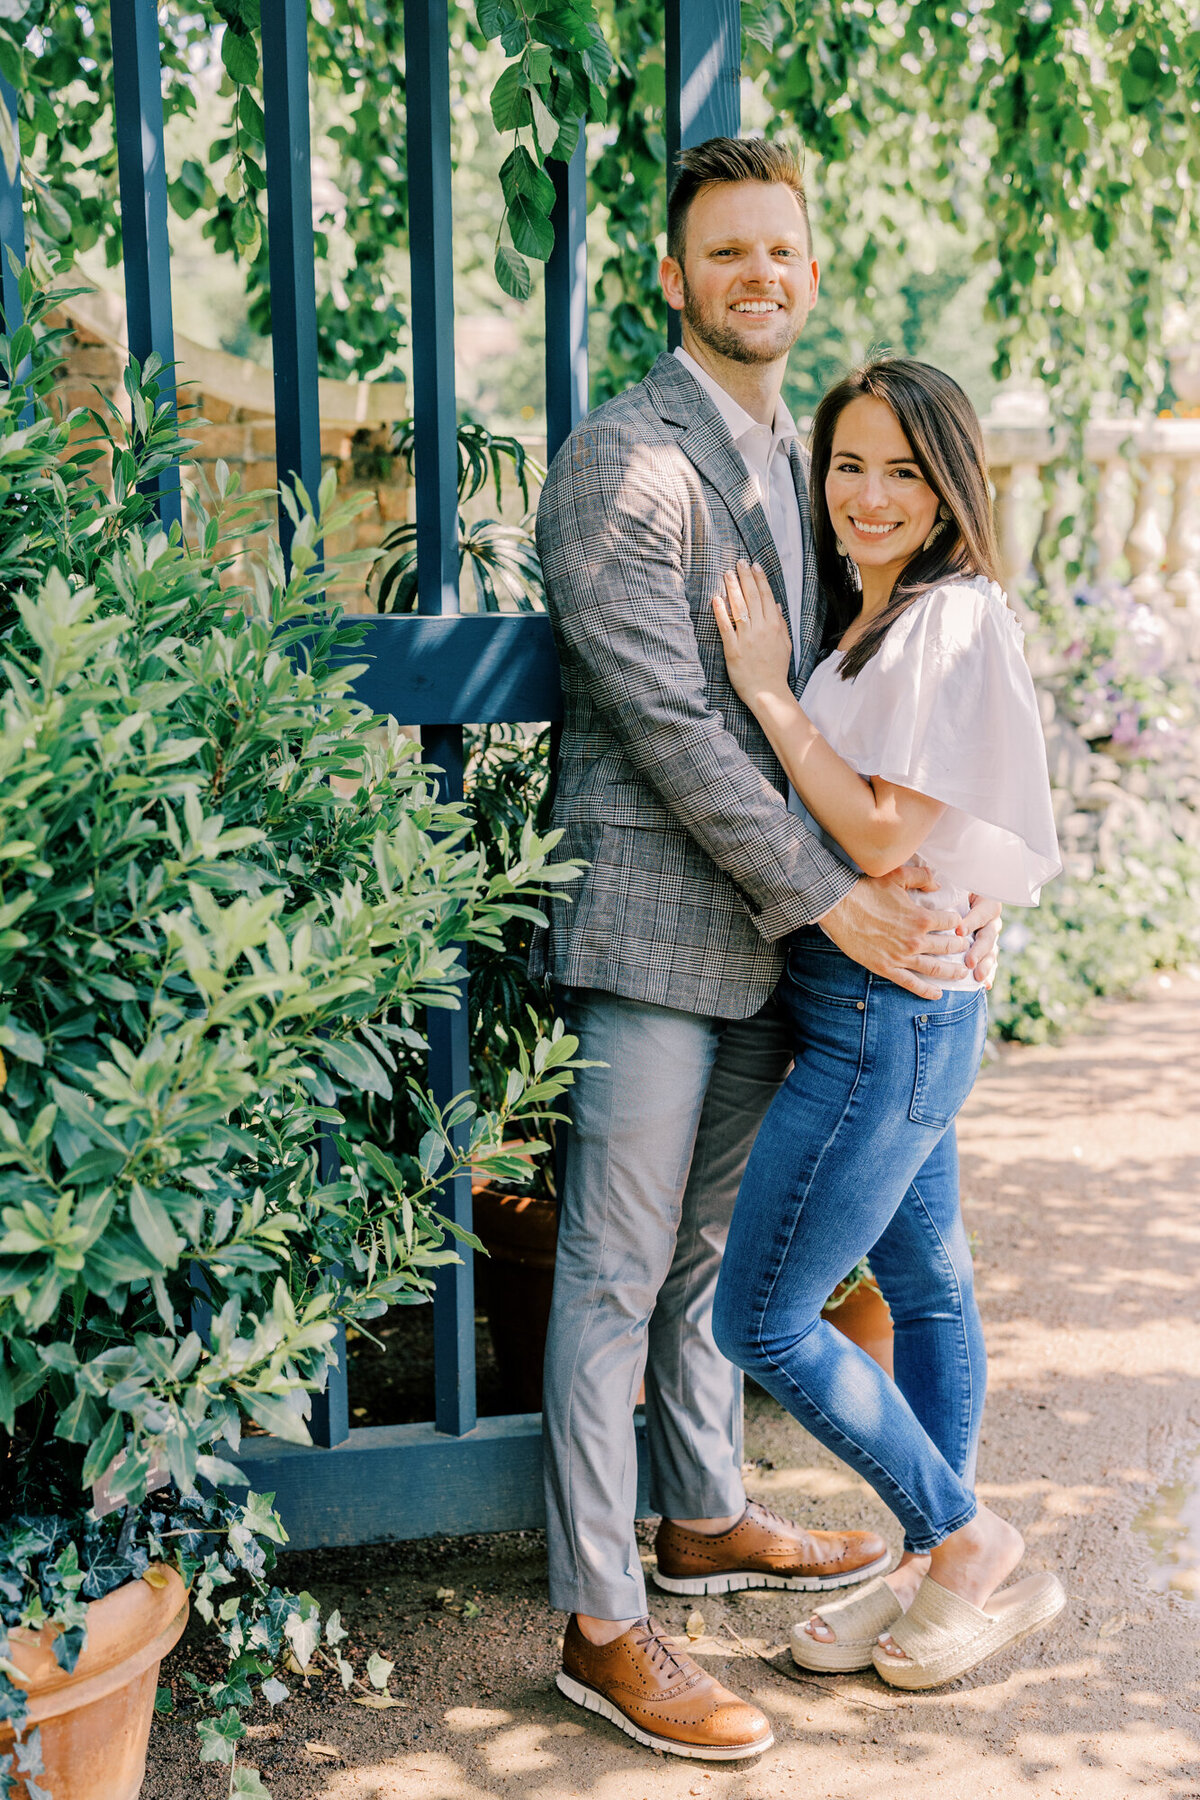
(736, 417)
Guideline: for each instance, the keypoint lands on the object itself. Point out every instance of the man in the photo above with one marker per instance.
(670, 950)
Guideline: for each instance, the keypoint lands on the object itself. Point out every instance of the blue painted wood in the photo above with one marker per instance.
(467, 668)
(704, 71)
(290, 247)
(12, 238)
(435, 469)
(142, 173)
(393, 1482)
(450, 1075)
(566, 301)
(329, 1422)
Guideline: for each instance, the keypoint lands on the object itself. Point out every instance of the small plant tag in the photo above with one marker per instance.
(103, 1500)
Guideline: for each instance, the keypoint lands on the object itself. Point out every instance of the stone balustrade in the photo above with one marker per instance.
(1138, 495)
(1143, 507)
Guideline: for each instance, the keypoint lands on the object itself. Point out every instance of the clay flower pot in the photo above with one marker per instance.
(95, 1722)
(863, 1316)
(515, 1281)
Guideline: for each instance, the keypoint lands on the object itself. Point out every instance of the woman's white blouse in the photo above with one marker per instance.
(947, 707)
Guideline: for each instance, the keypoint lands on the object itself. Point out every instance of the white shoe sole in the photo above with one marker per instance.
(748, 1578)
(596, 1703)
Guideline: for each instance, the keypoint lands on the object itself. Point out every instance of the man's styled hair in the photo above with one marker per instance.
(723, 159)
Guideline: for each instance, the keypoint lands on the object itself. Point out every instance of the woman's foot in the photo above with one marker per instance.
(904, 1581)
(972, 1563)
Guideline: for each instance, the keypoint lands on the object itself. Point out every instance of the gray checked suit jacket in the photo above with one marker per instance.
(667, 786)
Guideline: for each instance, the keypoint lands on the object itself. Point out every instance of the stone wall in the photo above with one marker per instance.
(243, 435)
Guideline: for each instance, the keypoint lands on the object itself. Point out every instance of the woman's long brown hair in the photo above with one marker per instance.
(946, 438)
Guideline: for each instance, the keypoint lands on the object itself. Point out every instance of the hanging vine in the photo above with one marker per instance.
(1061, 138)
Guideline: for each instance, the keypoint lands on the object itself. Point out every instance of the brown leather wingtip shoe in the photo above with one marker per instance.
(764, 1550)
(659, 1696)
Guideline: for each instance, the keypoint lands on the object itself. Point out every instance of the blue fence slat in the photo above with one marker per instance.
(12, 237)
(435, 470)
(329, 1421)
(292, 257)
(566, 301)
(430, 251)
(142, 173)
(409, 1481)
(704, 73)
(461, 669)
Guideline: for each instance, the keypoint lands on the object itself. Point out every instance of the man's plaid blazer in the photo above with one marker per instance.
(667, 787)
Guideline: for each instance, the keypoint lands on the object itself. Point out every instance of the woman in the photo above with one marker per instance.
(918, 733)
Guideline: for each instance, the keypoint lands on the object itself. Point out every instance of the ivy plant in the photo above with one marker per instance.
(1064, 141)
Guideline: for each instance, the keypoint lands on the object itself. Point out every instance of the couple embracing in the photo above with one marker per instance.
(803, 763)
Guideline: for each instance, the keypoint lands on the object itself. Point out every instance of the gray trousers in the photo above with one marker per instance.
(659, 1138)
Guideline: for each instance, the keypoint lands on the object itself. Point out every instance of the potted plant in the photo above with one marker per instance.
(506, 575)
(227, 896)
(859, 1311)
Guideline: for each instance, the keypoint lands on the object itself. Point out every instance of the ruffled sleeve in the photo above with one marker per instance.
(947, 706)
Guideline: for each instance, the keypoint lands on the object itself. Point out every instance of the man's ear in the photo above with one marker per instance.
(671, 276)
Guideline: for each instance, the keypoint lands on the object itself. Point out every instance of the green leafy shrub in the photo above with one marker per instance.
(228, 893)
(1095, 939)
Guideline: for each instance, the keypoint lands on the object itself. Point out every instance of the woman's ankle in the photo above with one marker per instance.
(975, 1559)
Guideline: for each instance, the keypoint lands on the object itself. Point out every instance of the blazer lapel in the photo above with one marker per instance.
(705, 441)
(812, 612)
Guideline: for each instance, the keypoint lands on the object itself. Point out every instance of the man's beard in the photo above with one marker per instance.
(724, 339)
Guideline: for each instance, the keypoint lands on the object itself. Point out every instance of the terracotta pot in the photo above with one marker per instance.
(95, 1722)
(864, 1318)
(515, 1281)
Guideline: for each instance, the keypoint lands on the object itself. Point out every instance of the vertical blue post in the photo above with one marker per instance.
(704, 73)
(566, 301)
(291, 252)
(435, 469)
(12, 237)
(566, 382)
(292, 266)
(142, 173)
(329, 1421)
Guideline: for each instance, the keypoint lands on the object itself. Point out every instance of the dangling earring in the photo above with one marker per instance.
(841, 548)
(939, 525)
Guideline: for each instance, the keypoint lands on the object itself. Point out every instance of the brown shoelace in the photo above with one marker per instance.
(661, 1655)
(765, 1512)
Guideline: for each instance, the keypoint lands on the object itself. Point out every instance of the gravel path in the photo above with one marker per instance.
(1080, 1168)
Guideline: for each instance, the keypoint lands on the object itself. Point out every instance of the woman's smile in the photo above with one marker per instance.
(880, 503)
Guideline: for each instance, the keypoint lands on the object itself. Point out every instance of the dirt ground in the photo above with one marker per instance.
(1080, 1167)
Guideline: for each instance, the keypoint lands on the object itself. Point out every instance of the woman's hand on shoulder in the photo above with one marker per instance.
(754, 633)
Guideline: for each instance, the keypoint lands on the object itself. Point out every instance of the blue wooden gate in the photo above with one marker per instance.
(439, 669)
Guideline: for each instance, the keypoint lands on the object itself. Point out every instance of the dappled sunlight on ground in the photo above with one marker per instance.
(1080, 1171)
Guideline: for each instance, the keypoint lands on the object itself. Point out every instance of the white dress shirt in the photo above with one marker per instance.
(765, 451)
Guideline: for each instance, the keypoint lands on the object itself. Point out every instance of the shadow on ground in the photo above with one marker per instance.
(1080, 1169)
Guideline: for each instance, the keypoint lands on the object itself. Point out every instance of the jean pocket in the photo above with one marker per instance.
(949, 1050)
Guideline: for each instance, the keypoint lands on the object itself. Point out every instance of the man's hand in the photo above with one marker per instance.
(879, 925)
(985, 922)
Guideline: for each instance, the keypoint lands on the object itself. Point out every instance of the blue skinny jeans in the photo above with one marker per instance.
(857, 1156)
